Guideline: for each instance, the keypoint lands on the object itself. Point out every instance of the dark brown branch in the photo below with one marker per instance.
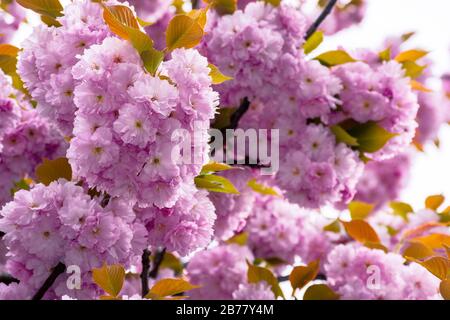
(195, 4)
(159, 257)
(326, 11)
(238, 114)
(59, 269)
(144, 274)
(7, 279)
(286, 278)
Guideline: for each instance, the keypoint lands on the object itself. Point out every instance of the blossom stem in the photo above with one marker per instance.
(159, 257)
(144, 274)
(326, 11)
(59, 269)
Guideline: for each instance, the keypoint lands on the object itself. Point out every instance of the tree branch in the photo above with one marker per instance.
(159, 257)
(326, 11)
(59, 269)
(195, 4)
(238, 114)
(144, 274)
(7, 279)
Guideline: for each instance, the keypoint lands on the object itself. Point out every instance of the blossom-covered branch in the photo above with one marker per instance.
(326, 11)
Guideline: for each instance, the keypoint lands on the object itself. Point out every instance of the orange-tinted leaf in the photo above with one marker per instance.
(439, 266)
(52, 170)
(320, 292)
(417, 250)
(109, 278)
(416, 85)
(410, 55)
(257, 274)
(361, 231)
(169, 287)
(434, 202)
(302, 275)
(444, 289)
(183, 32)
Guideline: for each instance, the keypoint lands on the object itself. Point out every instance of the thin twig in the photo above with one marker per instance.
(159, 257)
(59, 269)
(326, 11)
(238, 114)
(144, 274)
(286, 278)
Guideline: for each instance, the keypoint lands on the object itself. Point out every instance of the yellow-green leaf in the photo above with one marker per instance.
(169, 287)
(50, 21)
(215, 167)
(360, 210)
(343, 136)
(215, 183)
(401, 209)
(412, 69)
(313, 42)
(361, 231)
(239, 239)
(8, 58)
(257, 274)
(151, 59)
(434, 202)
(334, 58)
(274, 3)
(109, 278)
(302, 275)
(183, 32)
(335, 227)
(217, 77)
(262, 189)
(52, 170)
(444, 289)
(385, 55)
(410, 55)
(52, 8)
(320, 292)
(370, 136)
(223, 6)
(170, 261)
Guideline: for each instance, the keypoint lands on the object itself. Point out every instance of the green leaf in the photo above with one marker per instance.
(320, 292)
(401, 209)
(343, 136)
(313, 42)
(302, 275)
(257, 274)
(361, 231)
(262, 189)
(183, 32)
(215, 183)
(370, 136)
(52, 170)
(122, 22)
(239, 239)
(51, 8)
(151, 59)
(223, 6)
(215, 167)
(335, 227)
(334, 58)
(217, 77)
(412, 69)
(169, 287)
(385, 55)
(410, 55)
(360, 210)
(109, 278)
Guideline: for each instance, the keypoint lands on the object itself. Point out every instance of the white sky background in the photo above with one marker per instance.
(431, 21)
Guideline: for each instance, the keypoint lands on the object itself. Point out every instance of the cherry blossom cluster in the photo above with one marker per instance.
(222, 274)
(184, 227)
(60, 223)
(25, 139)
(357, 272)
(49, 54)
(130, 127)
